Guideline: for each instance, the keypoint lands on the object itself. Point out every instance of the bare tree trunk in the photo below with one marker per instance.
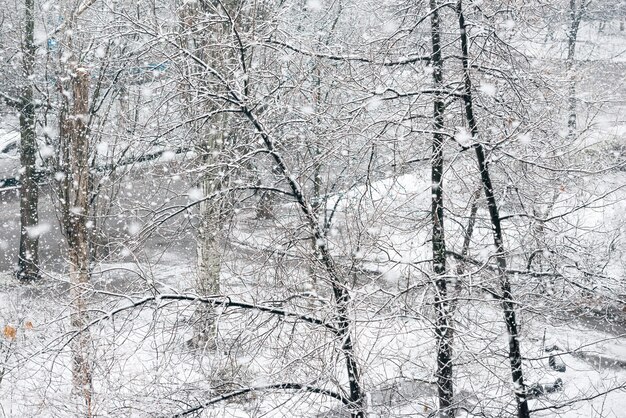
(467, 241)
(28, 257)
(74, 194)
(209, 250)
(210, 137)
(315, 153)
(506, 297)
(469, 229)
(539, 235)
(576, 13)
(444, 331)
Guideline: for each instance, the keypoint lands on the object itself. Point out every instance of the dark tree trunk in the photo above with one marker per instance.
(444, 331)
(467, 241)
(28, 257)
(469, 229)
(339, 289)
(508, 305)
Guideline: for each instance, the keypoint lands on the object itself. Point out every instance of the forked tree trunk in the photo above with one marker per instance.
(469, 229)
(467, 241)
(74, 195)
(28, 257)
(443, 331)
(506, 297)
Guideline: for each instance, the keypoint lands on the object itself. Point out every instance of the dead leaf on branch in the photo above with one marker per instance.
(10, 332)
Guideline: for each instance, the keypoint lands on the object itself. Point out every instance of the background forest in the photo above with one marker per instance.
(312, 208)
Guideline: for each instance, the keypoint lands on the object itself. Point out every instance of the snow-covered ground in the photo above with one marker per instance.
(144, 366)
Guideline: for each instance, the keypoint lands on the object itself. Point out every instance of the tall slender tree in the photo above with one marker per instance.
(444, 331)
(73, 189)
(28, 257)
(506, 295)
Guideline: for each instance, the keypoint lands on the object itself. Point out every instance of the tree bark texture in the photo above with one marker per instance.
(213, 215)
(443, 331)
(209, 137)
(576, 13)
(74, 194)
(28, 257)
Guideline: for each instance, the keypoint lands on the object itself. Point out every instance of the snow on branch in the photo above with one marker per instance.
(353, 58)
(11, 101)
(278, 386)
(218, 300)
